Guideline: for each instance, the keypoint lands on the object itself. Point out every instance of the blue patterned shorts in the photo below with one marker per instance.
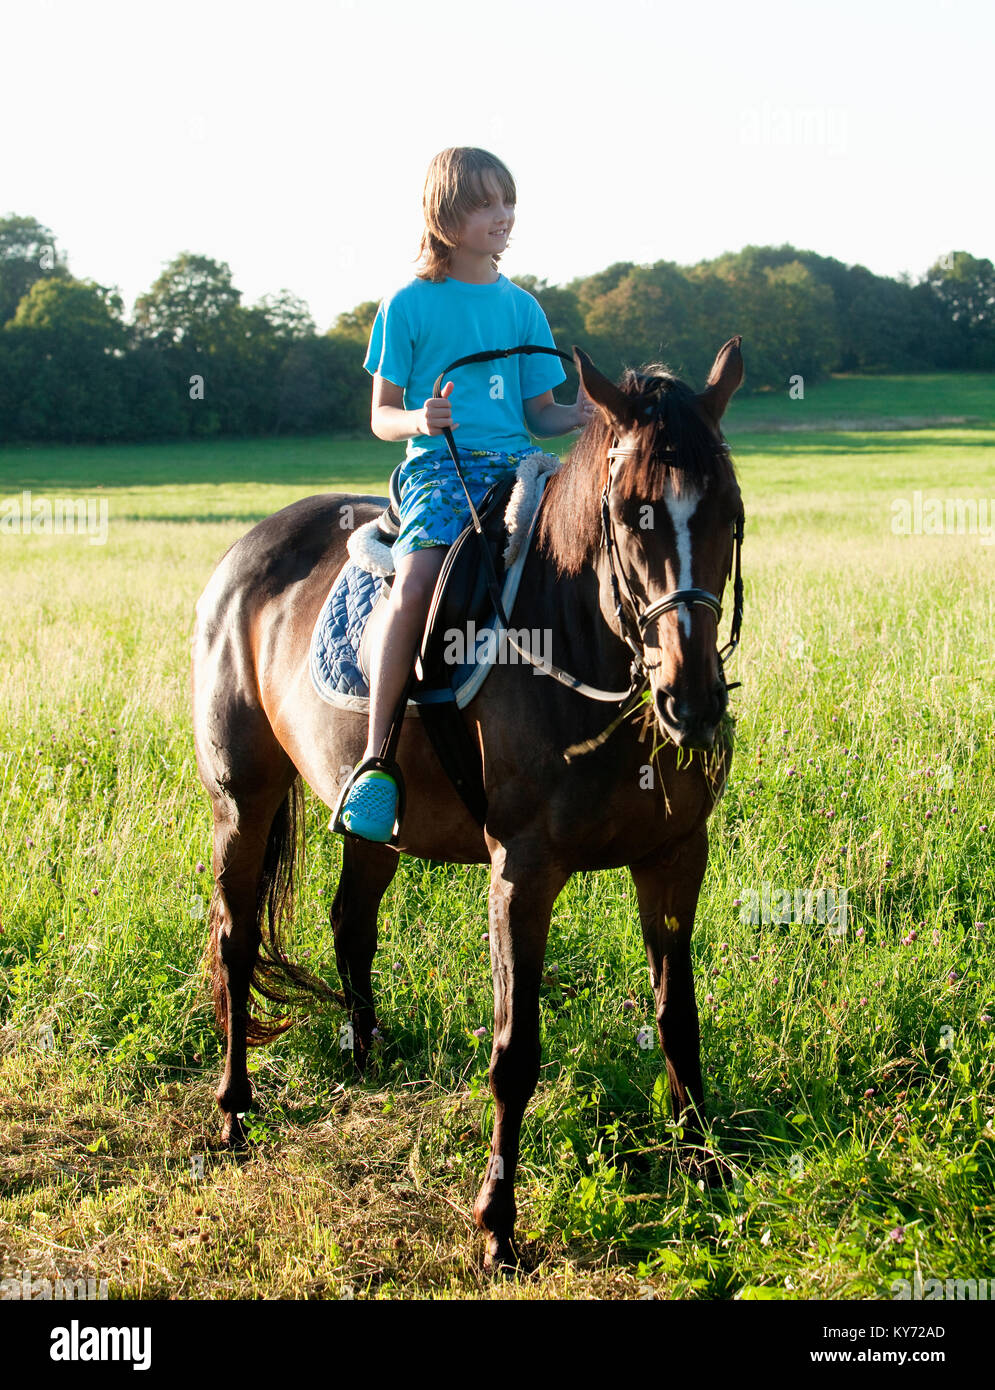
(433, 504)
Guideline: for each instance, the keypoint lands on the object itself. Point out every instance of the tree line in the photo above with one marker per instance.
(194, 361)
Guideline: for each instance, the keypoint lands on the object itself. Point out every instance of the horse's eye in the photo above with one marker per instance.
(637, 517)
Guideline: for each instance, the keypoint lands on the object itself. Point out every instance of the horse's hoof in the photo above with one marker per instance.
(501, 1259)
(366, 1047)
(233, 1133)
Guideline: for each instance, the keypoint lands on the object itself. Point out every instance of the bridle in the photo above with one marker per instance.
(634, 624)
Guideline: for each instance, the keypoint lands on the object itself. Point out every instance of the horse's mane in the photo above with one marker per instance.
(569, 528)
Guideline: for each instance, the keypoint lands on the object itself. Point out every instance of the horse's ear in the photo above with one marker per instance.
(604, 393)
(724, 379)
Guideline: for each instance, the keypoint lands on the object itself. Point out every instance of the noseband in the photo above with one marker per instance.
(634, 635)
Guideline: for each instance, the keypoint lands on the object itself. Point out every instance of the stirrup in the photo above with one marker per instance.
(370, 765)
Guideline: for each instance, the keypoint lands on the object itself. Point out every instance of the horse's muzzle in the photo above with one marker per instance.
(692, 723)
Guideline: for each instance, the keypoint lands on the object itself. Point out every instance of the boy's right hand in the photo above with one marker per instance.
(437, 414)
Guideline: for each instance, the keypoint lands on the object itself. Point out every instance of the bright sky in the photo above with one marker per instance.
(291, 140)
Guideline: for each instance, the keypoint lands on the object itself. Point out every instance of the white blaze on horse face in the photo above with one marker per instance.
(681, 510)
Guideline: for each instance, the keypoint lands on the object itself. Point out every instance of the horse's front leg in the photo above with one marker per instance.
(367, 870)
(667, 887)
(524, 886)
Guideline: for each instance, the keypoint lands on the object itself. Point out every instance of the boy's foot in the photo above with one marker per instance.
(370, 808)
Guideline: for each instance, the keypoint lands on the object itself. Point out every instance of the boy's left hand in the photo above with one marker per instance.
(585, 408)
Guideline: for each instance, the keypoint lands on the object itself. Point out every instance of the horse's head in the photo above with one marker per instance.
(670, 507)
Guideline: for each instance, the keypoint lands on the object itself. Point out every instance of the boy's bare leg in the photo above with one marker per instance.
(404, 623)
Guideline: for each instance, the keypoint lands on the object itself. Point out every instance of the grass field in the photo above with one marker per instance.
(850, 1076)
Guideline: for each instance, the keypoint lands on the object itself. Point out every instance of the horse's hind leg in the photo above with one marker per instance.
(251, 782)
(367, 870)
(242, 833)
(667, 888)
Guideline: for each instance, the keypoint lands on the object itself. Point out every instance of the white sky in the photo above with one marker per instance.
(291, 139)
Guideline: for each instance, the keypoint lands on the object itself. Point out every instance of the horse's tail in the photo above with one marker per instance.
(274, 977)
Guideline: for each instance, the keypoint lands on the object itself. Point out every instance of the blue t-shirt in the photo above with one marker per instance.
(424, 326)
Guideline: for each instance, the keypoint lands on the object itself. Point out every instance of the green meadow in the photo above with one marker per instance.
(849, 1071)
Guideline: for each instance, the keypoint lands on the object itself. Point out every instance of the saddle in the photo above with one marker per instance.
(461, 597)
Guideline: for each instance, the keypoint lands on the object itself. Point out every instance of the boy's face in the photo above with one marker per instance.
(486, 229)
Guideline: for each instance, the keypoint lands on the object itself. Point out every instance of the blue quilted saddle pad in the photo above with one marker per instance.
(338, 633)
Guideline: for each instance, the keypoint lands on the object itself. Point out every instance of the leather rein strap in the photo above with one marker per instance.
(527, 348)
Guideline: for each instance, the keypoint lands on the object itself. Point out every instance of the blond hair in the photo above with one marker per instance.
(454, 187)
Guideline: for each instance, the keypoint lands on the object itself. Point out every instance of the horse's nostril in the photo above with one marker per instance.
(666, 703)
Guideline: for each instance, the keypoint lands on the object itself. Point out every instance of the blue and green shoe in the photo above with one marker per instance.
(369, 806)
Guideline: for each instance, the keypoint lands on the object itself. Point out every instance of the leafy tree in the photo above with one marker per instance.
(153, 407)
(588, 288)
(192, 297)
(566, 322)
(214, 345)
(77, 310)
(356, 324)
(288, 316)
(647, 317)
(70, 368)
(27, 254)
(66, 343)
(963, 287)
(323, 386)
(60, 388)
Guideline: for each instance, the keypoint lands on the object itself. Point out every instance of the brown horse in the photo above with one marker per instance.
(634, 543)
